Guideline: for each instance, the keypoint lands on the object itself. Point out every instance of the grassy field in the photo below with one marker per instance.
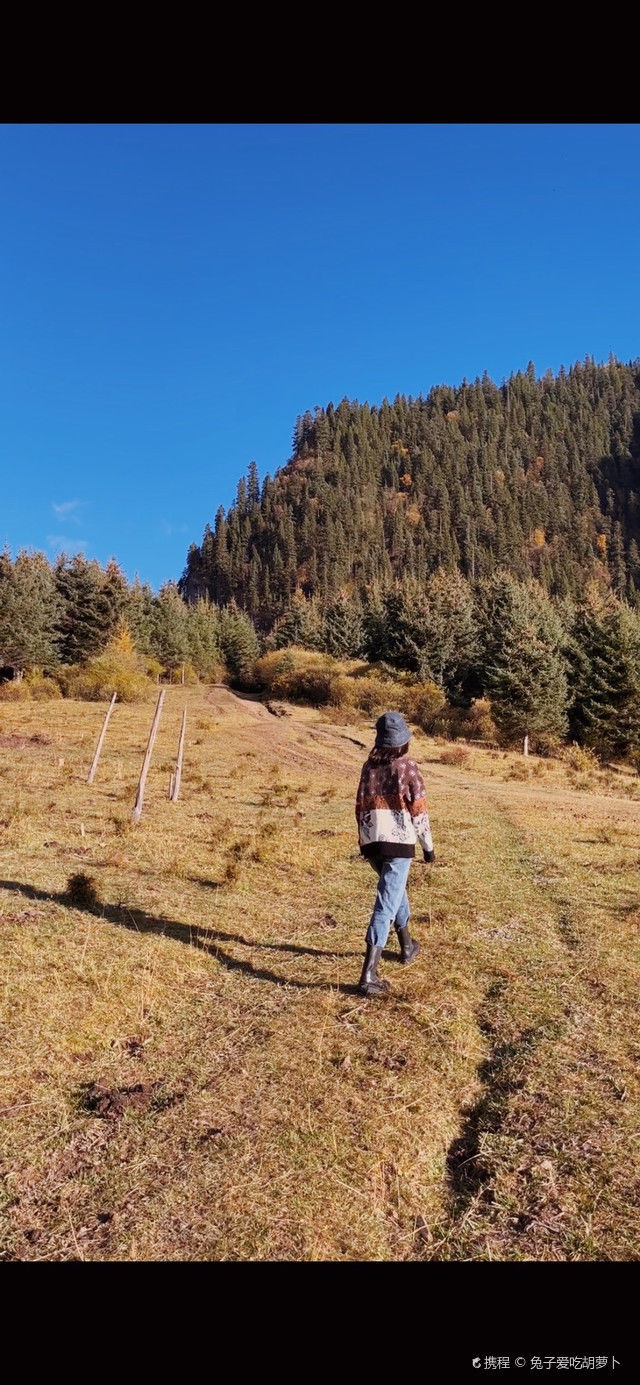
(187, 1070)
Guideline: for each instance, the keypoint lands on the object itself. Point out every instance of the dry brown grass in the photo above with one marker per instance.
(187, 1071)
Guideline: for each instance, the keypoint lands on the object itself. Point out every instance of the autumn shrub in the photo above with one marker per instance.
(579, 757)
(15, 691)
(455, 755)
(342, 692)
(42, 688)
(215, 673)
(422, 703)
(120, 669)
(474, 723)
(547, 745)
(152, 668)
(373, 695)
(585, 782)
(299, 675)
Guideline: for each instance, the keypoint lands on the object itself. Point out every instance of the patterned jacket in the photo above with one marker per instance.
(391, 806)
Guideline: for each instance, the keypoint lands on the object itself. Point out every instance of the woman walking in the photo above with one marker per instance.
(391, 812)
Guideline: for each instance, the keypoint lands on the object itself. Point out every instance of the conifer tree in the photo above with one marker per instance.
(343, 632)
(29, 610)
(298, 625)
(139, 615)
(604, 680)
(85, 620)
(253, 484)
(116, 591)
(238, 642)
(170, 632)
(524, 670)
(428, 629)
(203, 636)
(449, 633)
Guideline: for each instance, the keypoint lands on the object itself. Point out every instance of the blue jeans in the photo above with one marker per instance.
(392, 905)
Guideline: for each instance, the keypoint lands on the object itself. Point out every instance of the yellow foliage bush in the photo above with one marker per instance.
(41, 687)
(151, 667)
(474, 723)
(373, 694)
(579, 757)
(15, 691)
(301, 675)
(342, 691)
(215, 673)
(118, 669)
(422, 703)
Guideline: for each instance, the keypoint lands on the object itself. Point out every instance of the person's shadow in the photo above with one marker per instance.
(193, 935)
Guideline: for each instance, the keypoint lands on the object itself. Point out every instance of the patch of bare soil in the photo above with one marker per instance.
(112, 1102)
(10, 741)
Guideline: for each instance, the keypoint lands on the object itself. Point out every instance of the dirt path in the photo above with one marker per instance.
(296, 730)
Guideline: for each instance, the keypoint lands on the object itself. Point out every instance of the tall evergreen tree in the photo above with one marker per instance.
(343, 632)
(238, 641)
(203, 636)
(170, 632)
(116, 591)
(86, 617)
(29, 611)
(604, 682)
(253, 484)
(139, 615)
(524, 669)
(299, 624)
(426, 628)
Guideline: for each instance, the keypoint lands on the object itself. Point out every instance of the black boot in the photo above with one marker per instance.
(409, 948)
(370, 983)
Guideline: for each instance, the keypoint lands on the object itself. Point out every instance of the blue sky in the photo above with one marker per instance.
(173, 296)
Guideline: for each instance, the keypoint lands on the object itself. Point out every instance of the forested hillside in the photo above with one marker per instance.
(471, 557)
(538, 476)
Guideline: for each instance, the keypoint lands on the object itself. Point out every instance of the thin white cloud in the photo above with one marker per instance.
(170, 529)
(68, 509)
(61, 543)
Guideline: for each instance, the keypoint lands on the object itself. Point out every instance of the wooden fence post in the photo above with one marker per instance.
(526, 745)
(137, 811)
(94, 762)
(176, 779)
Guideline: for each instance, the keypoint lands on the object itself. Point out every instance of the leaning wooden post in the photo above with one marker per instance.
(137, 811)
(176, 778)
(94, 762)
